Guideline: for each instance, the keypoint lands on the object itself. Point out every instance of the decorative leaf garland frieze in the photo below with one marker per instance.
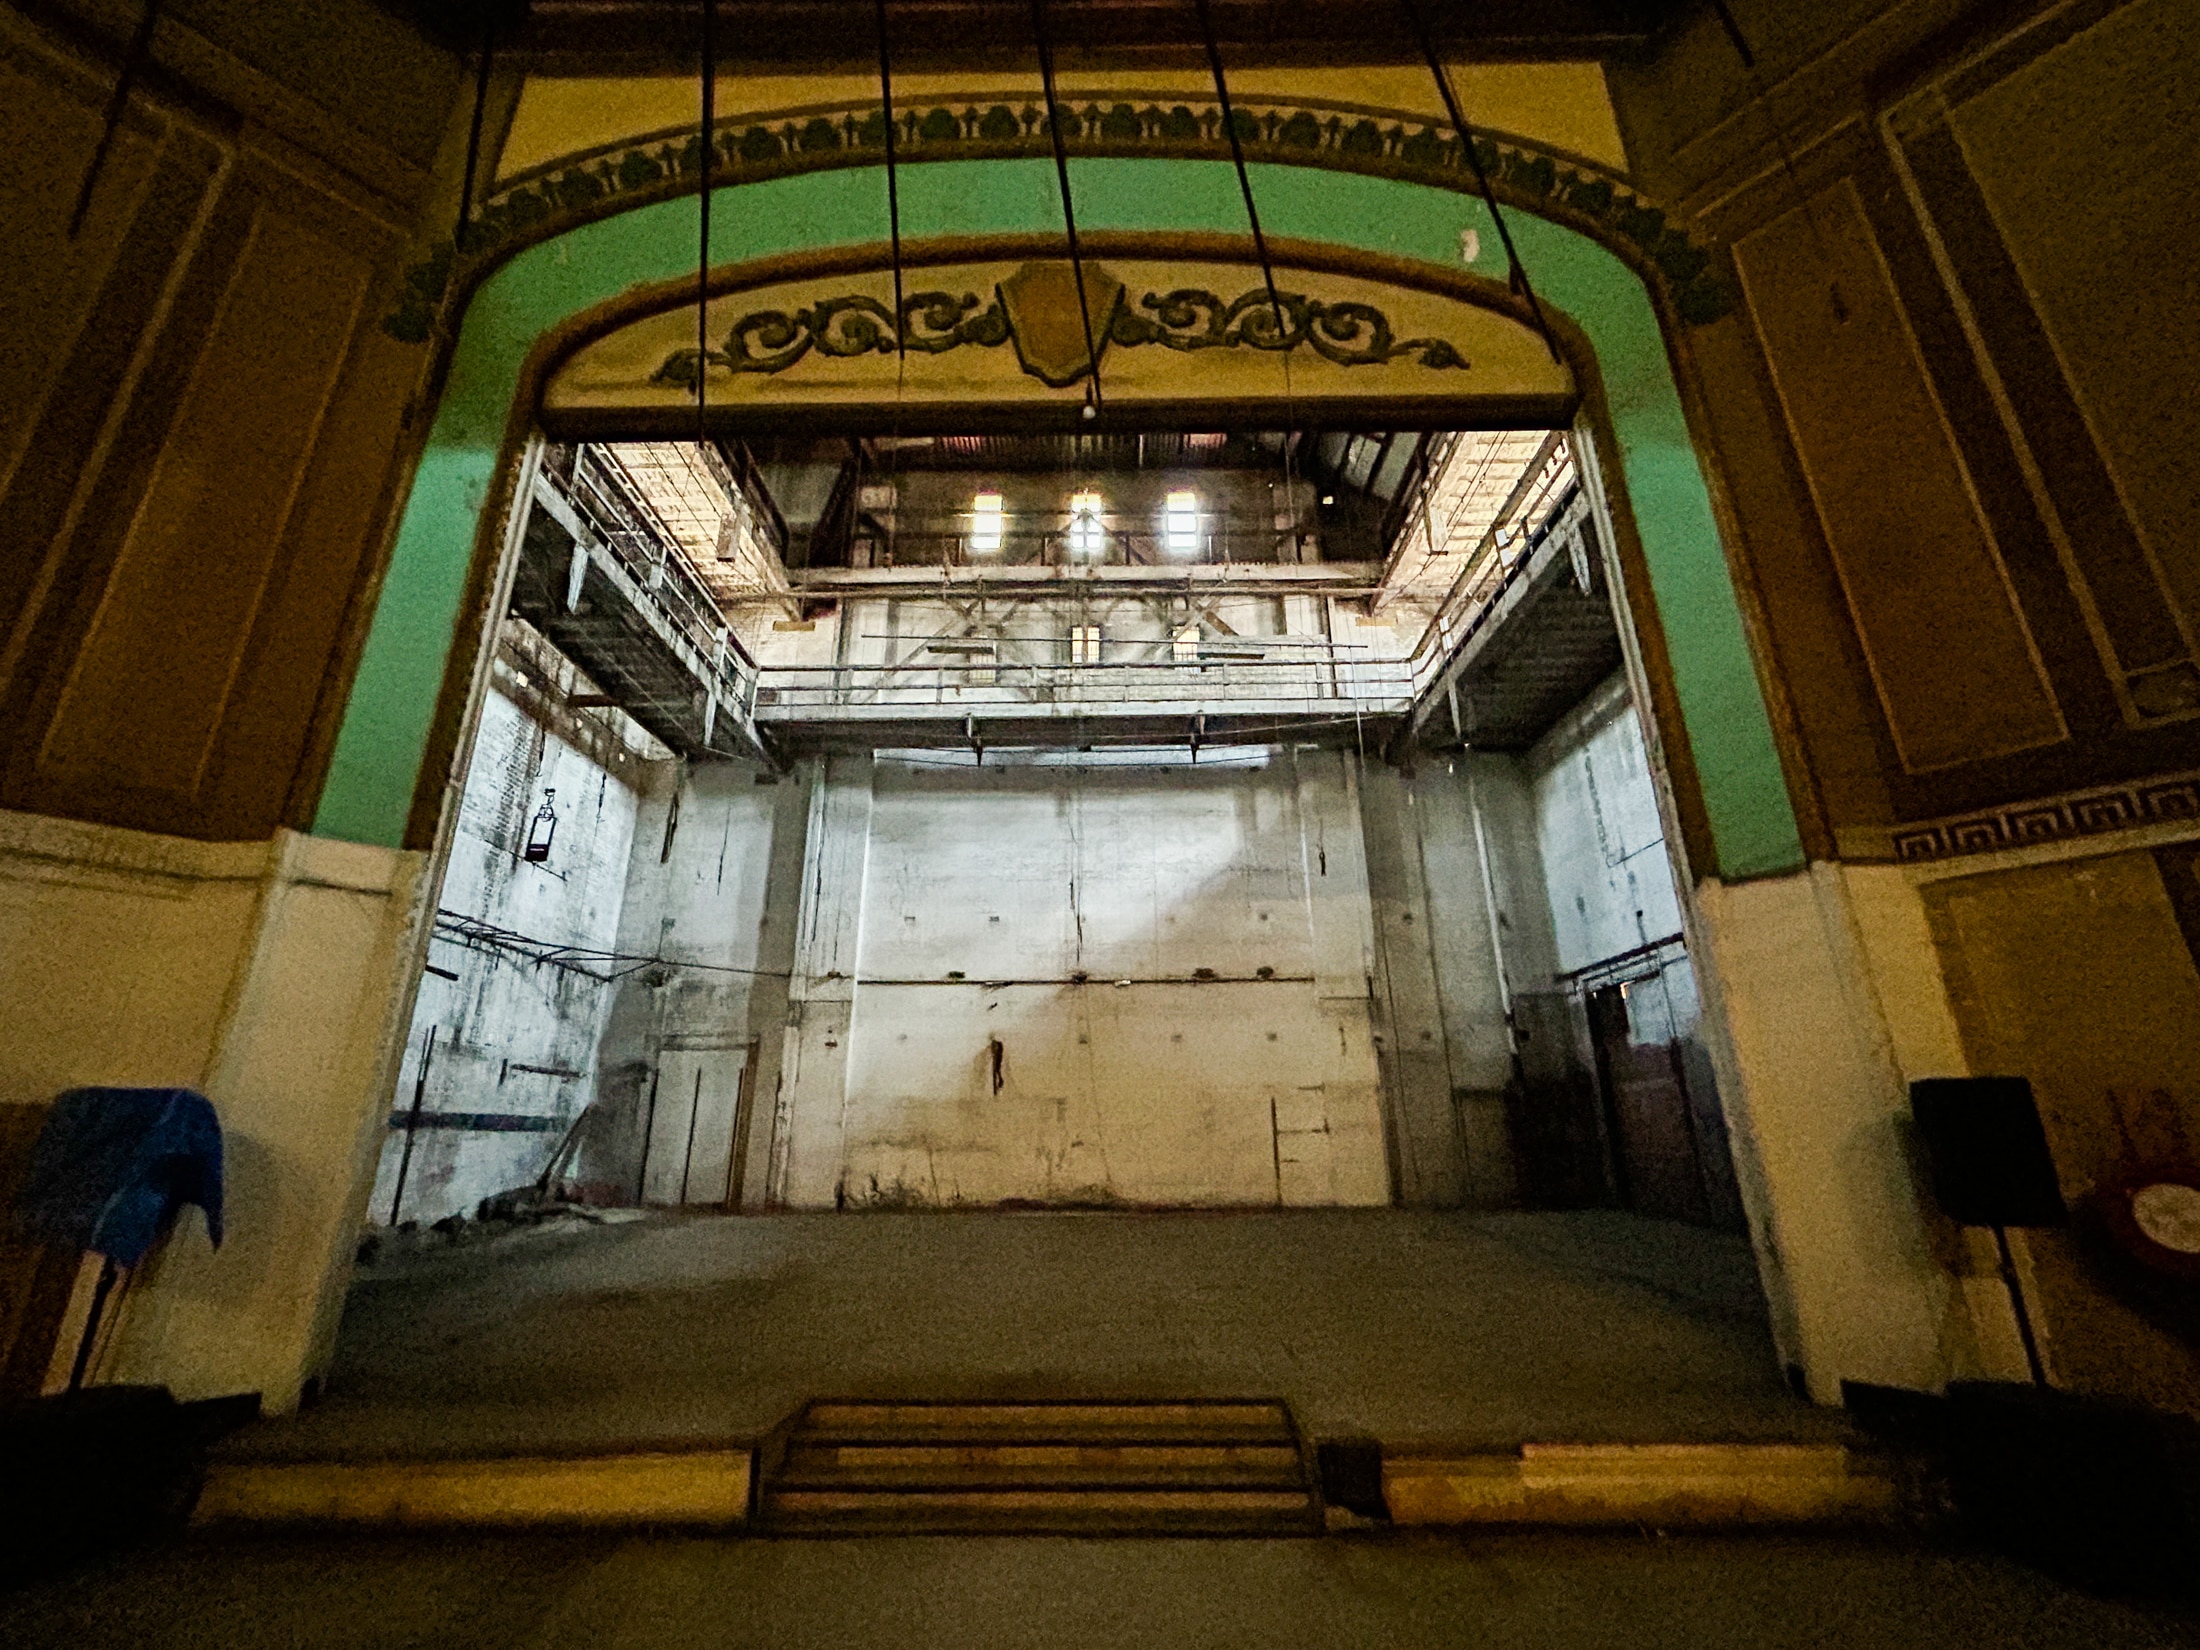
(1350, 333)
(752, 148)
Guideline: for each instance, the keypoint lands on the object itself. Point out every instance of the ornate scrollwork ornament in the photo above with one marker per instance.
(1350, 333)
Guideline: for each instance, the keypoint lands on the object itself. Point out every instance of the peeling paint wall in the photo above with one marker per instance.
(1075, 984)
(1602, 844)
(509, 1043)
(1277, 976)
(694, 1035)
(1609, 876)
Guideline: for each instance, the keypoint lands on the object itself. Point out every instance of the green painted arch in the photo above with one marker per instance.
(388, 718)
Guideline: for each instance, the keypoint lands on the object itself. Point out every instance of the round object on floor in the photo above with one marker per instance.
(2154, 1215)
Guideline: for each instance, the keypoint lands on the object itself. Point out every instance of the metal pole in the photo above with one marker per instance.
(412, 1124)
(100, 1291)
(1245, 182)
(2016, 1301)
(893, 186)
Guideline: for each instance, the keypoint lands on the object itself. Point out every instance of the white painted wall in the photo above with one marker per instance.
(949, 910)
(1599, 834)
(512, 1037)
(265, 974)
(1606, 864)
(710, 899)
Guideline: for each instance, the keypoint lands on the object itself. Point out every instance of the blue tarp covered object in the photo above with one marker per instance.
(112, 1166)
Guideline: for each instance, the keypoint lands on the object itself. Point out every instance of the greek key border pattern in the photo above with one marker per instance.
(2163, 801)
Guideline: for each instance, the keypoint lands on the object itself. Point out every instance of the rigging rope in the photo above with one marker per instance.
(1069, 214)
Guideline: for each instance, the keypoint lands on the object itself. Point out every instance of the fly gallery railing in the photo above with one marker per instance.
(961, 677)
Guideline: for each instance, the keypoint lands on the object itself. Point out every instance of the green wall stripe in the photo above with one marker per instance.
(385, 731)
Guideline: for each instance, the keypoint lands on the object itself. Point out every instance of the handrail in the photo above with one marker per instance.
(1315, 677)
(1261, 544)
(626, 527)
(1436, 642)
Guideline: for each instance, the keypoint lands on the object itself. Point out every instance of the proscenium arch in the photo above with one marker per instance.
(447, 534)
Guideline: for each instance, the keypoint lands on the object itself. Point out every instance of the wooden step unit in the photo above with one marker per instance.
(1199, 1467)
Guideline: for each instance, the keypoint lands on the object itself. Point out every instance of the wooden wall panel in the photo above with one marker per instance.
(157, 671)
(282, 719)
(77, 318)
(2086, 159)
(48, 128)
(2023, 174)
(199, 426)
(1814, 646)
(1949, 653)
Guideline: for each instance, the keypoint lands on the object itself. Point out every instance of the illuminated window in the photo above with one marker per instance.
(1087, 535)
(1084, 644)
(1186, 643)
(1180, 524)
(988, 521)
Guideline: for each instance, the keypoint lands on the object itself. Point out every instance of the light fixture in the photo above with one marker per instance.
(1328, 499)
(541, 830)
(1180, 523)
(988, 522)
(1088, 536)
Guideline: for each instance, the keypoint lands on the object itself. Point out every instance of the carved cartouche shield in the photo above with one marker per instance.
(1043, 318)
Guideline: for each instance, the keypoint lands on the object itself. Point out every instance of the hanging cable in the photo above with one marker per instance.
(702, 263)
(1260, 249)
(1069, 215)
(473, 131)
(133, 60)
(1740, 42)
(893, 187)
(901, 315)
(1516, 271)
(1237, 156)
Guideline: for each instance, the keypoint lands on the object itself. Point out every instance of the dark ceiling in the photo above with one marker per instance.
(577, 36)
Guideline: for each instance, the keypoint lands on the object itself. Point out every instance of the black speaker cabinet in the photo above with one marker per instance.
(1986, 1150)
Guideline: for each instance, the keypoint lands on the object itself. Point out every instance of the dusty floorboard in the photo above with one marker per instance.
(1414, 1328)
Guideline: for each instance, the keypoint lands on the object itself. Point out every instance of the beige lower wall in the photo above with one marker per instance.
(117, 952)
(2077, 975)
(269, 975)
(1818, 1103)
(1842, 986)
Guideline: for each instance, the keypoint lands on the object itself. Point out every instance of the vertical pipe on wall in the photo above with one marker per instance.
(695, 1108)
(412, 1125)
(649, 1127)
